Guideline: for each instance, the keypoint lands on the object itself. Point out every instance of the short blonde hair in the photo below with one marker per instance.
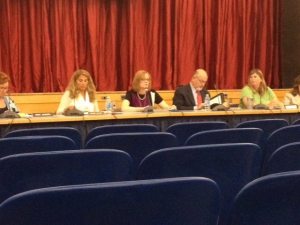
(140, 75)
(72, 87)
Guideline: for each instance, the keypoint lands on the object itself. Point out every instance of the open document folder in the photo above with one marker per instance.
(217, 99)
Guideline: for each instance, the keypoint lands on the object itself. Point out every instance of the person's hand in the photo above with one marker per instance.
(275, 105)
(172, 108)
(69, 108)
(148, 108)
(226, 104)
(201, 106)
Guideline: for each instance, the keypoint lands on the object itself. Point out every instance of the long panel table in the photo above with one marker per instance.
(160, 118)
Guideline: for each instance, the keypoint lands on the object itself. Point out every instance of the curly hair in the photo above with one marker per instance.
(73, 89)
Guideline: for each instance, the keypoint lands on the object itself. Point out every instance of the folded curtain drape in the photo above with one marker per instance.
(44, 41)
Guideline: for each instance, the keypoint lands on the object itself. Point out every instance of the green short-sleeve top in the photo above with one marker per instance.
(265, 99)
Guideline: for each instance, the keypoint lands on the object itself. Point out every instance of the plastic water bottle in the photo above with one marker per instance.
(108, 104)
(207, 102)
(226, 99)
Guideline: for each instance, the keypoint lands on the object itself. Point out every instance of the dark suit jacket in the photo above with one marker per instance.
(184, 99)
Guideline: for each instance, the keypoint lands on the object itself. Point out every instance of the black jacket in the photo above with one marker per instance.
(184, 98)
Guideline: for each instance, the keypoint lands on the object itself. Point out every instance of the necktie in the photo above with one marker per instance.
(199, 98)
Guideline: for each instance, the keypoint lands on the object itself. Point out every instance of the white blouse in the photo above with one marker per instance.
(290, 99)
(80, 103)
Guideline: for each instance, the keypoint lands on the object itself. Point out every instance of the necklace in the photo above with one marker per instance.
(139, 97)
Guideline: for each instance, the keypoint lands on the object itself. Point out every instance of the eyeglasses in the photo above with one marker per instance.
(200, 80)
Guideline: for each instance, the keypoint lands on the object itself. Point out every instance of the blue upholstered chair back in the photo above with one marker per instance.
(267, 125)
(185, 129)
(296, 122)
(23, 172)
(230, 165)
(69, 132)
(138, 145)
(120, 128)
(17, 145)
(285, 158)
(174, 201)
(273, 199)
(222, 136)
(280, 137)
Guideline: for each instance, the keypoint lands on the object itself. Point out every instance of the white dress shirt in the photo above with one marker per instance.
(80, 103)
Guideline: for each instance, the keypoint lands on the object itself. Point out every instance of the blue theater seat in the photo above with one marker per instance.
(267, 125)
(285, 158)
(272, 199)
(231, 165)
(175, 201)
(222, 136)
(26, 144)
(184, 130)
(69, 132)
(280, 137)
(120, 128)
(137, 145)
(23, 172)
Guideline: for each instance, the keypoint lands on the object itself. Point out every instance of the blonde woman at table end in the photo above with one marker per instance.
(259, 92)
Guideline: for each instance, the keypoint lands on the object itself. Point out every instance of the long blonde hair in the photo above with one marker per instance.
(262, 87)
(72, 86)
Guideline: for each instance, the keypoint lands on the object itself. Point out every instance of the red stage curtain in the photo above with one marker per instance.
(43, 41)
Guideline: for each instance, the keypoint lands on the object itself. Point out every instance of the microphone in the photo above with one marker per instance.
(12, 109)
(7, 103)
(12, 105)
(223, 95)
(73, 112)
(152, 97)
(149, 108)
(218, 105)
(216, 88)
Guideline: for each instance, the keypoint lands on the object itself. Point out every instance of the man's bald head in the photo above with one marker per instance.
(199, 79)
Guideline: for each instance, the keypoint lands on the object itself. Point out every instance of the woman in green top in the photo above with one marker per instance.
(259, 92)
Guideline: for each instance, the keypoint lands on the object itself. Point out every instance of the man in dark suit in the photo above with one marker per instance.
(192, 95)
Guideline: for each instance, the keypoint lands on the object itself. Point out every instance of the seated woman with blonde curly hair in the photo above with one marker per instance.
(80, 94)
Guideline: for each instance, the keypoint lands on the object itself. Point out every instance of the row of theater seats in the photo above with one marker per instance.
(272, 199)
(231, 166)
(141, 139)
(181, 130)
